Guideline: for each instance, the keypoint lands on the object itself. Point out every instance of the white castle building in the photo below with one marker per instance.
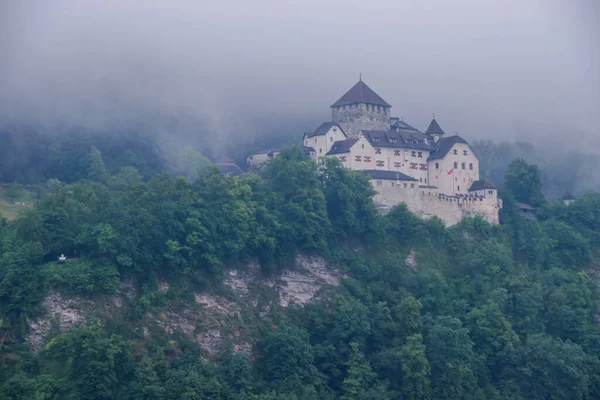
(433, 173)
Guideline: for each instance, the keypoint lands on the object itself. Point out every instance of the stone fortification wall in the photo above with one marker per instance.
(427, 202)
(356, 117)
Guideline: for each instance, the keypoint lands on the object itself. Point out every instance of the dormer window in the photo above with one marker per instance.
(465, 153)
(376, 139)
(455, 151)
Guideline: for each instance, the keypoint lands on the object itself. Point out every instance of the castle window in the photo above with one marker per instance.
(315, 140)
(413, 165)
(331, 138)
(458, 188)
(320, 150)
(471, 166)
(358, 158)
(379, 183)
(455, 151)
(394, 140)
(455, 164)
(420, 154)
(426, 182)
(363, 146)
(376, 139)
(423, 167)
(380, 163)
(397, 165)
(463, 165)
(405, 185)
(343, 158)
(392, 184)
(412, 185)
(377, 151)
(413, 153)
(490, 192)
(396, 152)
(465, 153)
(421, 180)
(367, 159)
(437, 165)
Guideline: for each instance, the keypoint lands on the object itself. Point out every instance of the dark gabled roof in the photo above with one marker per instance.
(223, 159)
(434, 129)
(308, 149)
(568, 196)
(525, 206)
(482, 184)
(444, 145)
(230, 168)
(323, 129)
(360, 93)
(399, 125)
(388, 175)
(400, 140)
(342, 146)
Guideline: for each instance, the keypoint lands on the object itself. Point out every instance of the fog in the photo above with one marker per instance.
(506, 69)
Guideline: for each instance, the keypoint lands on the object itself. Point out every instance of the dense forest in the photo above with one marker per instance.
(485, 312)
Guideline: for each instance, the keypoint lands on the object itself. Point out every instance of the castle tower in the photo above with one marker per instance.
(434, 131)
(568, 198)
(361, 109)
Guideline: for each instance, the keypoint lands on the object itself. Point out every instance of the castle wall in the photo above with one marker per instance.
(322, 143)
(355, 117)
(461, 179)
(427, 202)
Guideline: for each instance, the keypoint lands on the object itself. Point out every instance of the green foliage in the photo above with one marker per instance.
(524, 181)
(476, 311)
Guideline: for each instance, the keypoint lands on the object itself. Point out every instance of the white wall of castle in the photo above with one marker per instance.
(322, 143)
(463, 163)
(427, 202)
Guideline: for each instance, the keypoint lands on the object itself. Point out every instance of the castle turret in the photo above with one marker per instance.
(568, 198)
(434, 131)
(361, 109)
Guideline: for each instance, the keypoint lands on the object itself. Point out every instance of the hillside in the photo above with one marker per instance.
(292, 286)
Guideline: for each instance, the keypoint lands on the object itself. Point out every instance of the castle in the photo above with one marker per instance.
(433, 173)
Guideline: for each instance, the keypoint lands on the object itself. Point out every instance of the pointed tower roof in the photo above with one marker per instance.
(360, 93)
(568, 196)
(434, 128)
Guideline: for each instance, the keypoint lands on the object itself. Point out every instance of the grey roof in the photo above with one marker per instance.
(401, 140)
(482, 184)
(360, 93)
(444, 145)
(525, 206)
(230, 168)
(434, 128)
(568, 196)
(308, 149)
(399, 125)
(342, 146)
(388, 175)
(323, 129)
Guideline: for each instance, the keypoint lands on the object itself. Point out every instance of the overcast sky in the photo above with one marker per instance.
(487, 68)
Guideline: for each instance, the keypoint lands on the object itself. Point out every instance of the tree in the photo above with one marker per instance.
(416, 384)
(359, 377)
(98, 171)
(349, 197)
(524, 181)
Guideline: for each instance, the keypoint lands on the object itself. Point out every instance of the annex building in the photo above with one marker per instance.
(432, 172)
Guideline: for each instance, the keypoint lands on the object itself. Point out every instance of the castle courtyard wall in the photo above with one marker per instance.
(427, 202)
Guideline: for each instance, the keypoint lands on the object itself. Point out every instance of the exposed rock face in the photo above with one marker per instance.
(411, 260)
(60, 312)
(213, 319)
